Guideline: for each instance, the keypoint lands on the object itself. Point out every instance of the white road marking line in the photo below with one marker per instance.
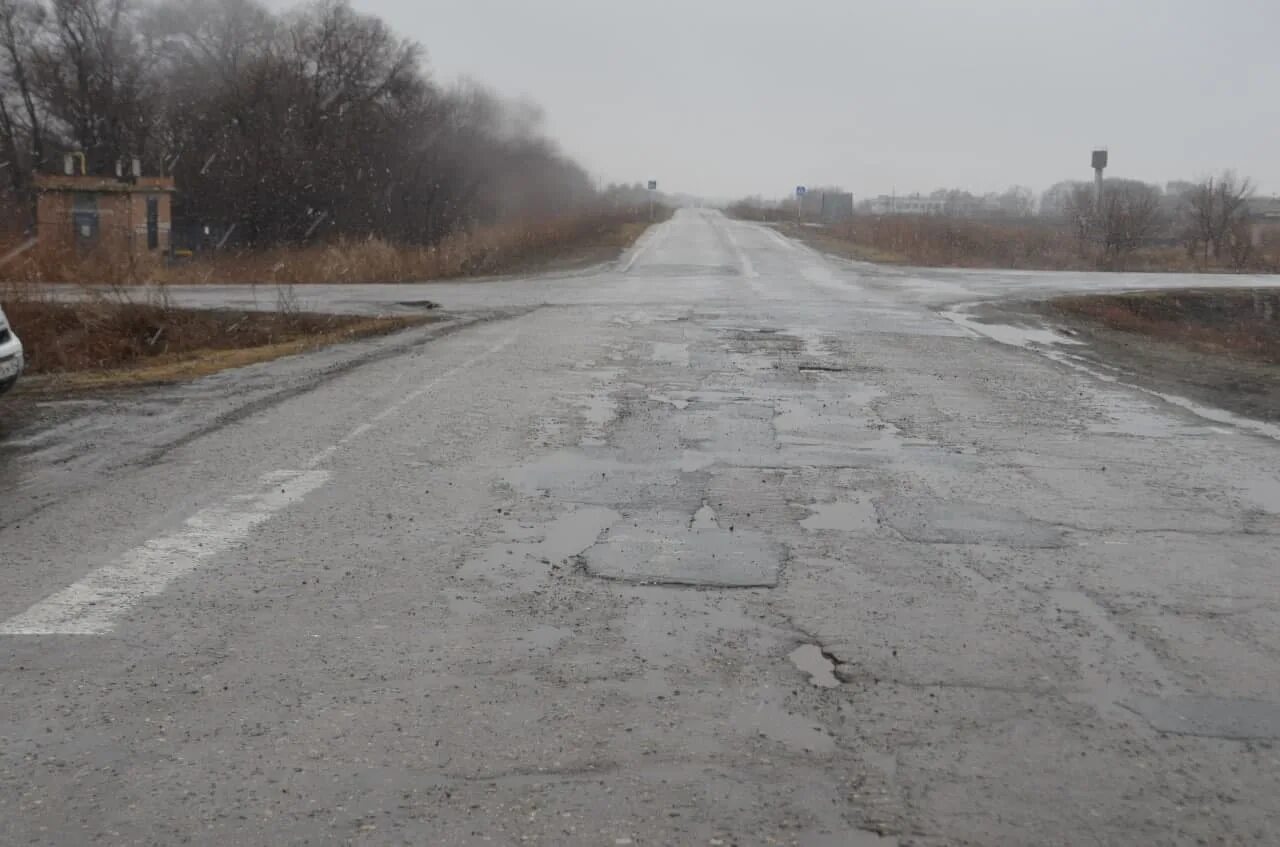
(748, 269)
(328, 452)
(95, 604)
(654, 236)
(781, 239)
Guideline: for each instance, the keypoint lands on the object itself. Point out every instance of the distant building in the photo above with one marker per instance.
(116, 217)
(826, 206)
(1263, 217)
(914, 204)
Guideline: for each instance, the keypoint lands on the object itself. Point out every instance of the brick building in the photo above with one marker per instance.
(115, 217)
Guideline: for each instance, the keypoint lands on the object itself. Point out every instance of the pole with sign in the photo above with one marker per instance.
(653, 186)
(801, 191)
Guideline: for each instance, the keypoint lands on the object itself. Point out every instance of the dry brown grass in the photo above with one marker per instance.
(488, 251)
(933, 241)
(1237, 322)
(112, 338)
(950, 242)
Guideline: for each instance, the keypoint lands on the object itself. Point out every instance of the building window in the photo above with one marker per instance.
(153, 223)
(84, 218)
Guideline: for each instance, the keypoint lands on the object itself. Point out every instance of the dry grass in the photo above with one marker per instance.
(112, 339)
(1238, 322)
(950, 242)
(933, 241)
(488, 251)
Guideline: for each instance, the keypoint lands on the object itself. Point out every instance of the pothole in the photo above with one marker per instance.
(809, 659)
(705, 518)
(662, 548)
(961, 522)
(841, 516)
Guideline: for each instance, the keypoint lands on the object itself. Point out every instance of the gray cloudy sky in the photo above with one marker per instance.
(729, 97)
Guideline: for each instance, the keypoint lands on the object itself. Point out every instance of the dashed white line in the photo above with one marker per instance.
(654, 236)
(328, 452)
(95, 604)
(748, 269)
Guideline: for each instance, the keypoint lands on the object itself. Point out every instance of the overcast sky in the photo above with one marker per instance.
(730, 97)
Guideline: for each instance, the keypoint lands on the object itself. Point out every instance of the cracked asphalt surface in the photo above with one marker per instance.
(729, 544)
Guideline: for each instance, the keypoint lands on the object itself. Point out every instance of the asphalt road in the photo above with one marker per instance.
(728, 544)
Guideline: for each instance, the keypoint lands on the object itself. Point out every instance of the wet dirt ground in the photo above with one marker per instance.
(730, 544)
(1238, 384)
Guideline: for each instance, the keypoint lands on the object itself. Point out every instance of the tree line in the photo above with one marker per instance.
(1209, 218)
(278, 127)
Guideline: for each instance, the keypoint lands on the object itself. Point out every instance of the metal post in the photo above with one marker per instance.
(1099, 162)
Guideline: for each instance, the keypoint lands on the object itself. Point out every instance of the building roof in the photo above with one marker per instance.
(104, 184)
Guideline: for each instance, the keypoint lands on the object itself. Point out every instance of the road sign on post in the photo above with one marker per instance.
(801, 191)
(653, 186)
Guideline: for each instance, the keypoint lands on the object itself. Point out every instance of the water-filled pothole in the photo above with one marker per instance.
(810, 659)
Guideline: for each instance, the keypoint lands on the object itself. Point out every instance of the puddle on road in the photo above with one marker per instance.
(693, 460)
(777, 724)
(841, 516)
(660, 548)
(566, 473)
(521, 559)
(953, 522)
(808, 659)
(598, 410)
(815, 342)
(1210, 717)
(844, 423)
(677, 403)
(575, 532)
(671, 354)
(1013, 335)
(1132, 417)
(704, 518)
(863, 395)
(1265, 493)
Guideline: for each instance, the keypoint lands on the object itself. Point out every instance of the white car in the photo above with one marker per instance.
(10, 355)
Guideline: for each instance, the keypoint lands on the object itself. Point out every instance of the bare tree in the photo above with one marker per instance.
(1130, 215)
(1214, 209)
(1080, 210)
(1017, 202)
(21, 127)
(316, 123)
